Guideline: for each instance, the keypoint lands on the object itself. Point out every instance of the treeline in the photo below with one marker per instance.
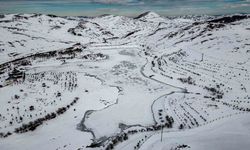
(124, 136)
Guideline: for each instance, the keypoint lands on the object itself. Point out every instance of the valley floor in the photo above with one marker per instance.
(113, 82)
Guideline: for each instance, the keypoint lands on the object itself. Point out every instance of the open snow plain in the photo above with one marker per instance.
(113, 82)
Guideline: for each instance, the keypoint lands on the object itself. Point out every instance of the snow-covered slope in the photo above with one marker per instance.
(113, 82)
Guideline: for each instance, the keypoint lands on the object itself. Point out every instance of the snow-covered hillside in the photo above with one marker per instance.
(114, 82)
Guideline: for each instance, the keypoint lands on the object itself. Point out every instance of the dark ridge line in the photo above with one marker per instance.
(131, 33)
(229, 19)
(42, 54)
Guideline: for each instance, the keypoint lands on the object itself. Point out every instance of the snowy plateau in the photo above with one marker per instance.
(116, 82)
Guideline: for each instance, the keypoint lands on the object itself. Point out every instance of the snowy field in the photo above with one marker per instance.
(114, 82)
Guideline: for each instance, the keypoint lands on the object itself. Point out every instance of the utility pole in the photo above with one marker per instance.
(161, 132)
(202, 57)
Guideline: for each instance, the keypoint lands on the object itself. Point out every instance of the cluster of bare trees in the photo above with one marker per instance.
(188, 80)
(116, 140)
(4, 135)
(32, 125)
(179, 147)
